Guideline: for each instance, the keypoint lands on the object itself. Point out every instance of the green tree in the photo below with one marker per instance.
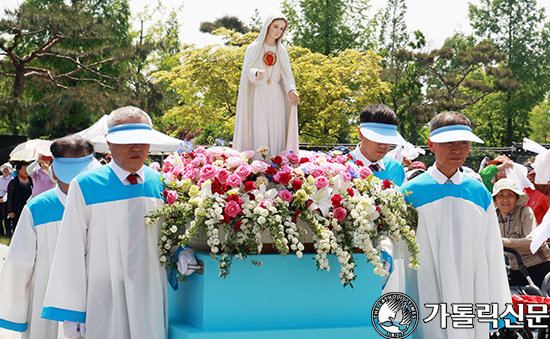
(63, 43)
(540, 123)
(333, 89)
(227, 21)
(330, 26)
(519, 30)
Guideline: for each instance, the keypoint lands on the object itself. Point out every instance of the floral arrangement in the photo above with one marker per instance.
(231, 199)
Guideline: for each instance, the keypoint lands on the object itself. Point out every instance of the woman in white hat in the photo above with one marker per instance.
(5, 179)
(516, 222)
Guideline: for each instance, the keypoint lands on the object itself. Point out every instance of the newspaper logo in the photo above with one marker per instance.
(394, 315)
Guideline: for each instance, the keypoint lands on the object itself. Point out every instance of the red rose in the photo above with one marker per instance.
(225, 218)
(359, 163)
(282, 177)
(271, 171)
(296, 215)
(386, 183)
(237, 225)
(249, 186)
(233, 197)
(304, 160)
(350, 192)
(277, 160)
(336, 200)
(296, 184)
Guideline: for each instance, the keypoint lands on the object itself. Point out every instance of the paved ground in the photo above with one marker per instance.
(4, 334)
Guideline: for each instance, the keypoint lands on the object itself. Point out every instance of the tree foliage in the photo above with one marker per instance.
(330, 26)
(333, 89)
(519, 30)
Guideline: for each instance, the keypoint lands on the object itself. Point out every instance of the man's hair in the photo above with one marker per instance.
(125, 113)
(378, 113)
(448, 119)
(71, 146)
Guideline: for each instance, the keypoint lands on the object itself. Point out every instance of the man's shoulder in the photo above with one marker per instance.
(46, 208)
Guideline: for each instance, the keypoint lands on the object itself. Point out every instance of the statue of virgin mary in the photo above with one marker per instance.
(267, 113)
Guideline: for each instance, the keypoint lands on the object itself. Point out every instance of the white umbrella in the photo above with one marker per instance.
(29, 150)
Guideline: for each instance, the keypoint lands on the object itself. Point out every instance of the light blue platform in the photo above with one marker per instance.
(284, 298)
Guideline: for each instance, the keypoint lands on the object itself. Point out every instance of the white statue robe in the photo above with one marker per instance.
(461, 254)
(265, 116)
(106, 269)
(26, 270)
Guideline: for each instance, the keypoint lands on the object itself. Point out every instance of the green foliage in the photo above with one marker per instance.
(520, 31)
(540, 123)
(329, 27)
(333, 89)
(227, 21)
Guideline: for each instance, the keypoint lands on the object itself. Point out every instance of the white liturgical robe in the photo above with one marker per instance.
(461, 254)
(25, 272)
(106, 270)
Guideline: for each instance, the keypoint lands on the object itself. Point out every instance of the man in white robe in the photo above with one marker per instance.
(461, 255)
(25, 273)
(106, 275)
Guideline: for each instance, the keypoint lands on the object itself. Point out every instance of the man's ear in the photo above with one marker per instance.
(430, 145)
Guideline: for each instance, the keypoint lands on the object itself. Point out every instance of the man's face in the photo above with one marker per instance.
(449, 156)
(373, 151)
(130, 157)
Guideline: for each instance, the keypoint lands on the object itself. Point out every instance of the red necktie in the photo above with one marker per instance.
(132, 178)
(374, 167)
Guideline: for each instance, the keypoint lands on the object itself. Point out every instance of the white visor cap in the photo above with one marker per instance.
(454, 133)
(382, 133)
(134, 134)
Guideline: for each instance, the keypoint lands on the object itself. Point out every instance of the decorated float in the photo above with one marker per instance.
(288, 244)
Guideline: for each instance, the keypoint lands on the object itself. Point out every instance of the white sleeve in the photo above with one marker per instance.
(66, 294)
(288, 83)
(17, 275)
(252, 75)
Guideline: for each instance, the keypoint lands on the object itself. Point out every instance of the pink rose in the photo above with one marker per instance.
(190, 173)
(177, 170)
(249, 154)
(170, 176)
(167, 166)
(232, 208)
(258, 166)
(364, 172)
(222, 175)
(293, 158)
(199, 160)
(243, 171)
(234, 180)
(233, 162)
(171, 196)
(207, 172)
(214, 151)
(286, 195)
(199, 150)
(318, 172)
(307, 166)
(321, 182)
(346, 176)
(340, 214)
(155, 165)
(341, 159)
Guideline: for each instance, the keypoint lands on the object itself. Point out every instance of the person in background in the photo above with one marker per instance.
(516, 222)
(41, 174)
(494, 171)
(461, 260)
(19, 192)
(25, 273)
(378, 131)
(537, 200)
(5, 179)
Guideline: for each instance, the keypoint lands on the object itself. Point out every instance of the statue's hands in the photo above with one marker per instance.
(260, 74)
(294, 98)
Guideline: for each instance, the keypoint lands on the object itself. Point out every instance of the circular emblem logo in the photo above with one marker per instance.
(394, 315)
